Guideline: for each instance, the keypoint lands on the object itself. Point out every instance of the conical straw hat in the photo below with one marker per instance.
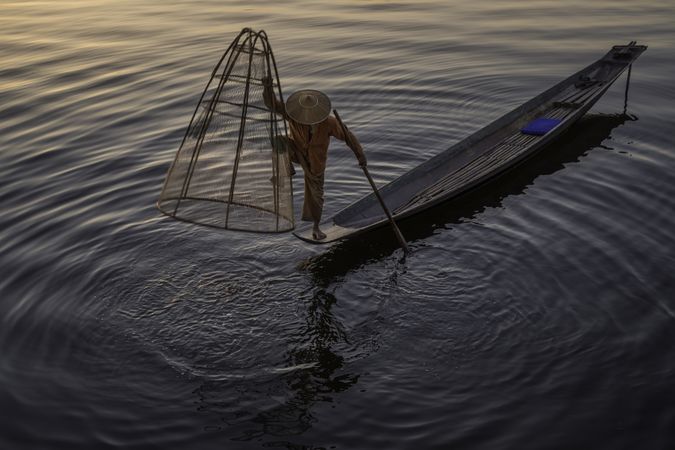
(308, 106)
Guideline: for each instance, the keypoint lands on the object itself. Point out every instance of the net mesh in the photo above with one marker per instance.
(232, 169)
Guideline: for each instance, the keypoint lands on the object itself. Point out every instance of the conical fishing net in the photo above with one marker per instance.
(232, 168)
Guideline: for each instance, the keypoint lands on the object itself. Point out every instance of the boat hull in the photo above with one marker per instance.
(485, 154)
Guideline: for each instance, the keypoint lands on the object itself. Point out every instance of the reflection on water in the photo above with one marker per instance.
(281, 407)
(542, 301)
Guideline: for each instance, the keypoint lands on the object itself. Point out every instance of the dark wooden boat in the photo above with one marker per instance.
(486, 153)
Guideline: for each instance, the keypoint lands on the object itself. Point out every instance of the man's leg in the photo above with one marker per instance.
(317, 233)
(313, 200)
(313, 203)
(284, 145)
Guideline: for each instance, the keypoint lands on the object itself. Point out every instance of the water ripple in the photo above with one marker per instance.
(541, 301)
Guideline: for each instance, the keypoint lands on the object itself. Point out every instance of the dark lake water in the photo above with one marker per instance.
(537, 312)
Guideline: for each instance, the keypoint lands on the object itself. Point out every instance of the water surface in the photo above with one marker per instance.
(537, 312)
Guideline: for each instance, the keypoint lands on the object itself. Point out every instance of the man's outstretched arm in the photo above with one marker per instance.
(270, 98)
(351, 140)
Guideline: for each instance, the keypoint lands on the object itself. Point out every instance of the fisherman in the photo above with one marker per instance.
(311, 126)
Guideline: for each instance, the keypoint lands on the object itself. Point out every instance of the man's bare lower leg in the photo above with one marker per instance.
(317, 233)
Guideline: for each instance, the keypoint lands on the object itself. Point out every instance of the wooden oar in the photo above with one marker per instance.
(397, 232)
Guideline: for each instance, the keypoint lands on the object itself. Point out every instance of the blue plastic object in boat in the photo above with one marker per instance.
(540, 126)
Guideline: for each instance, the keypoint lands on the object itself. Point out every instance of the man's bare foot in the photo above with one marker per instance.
(317, 233)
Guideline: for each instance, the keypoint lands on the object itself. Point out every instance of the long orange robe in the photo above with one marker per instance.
(308, 147)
